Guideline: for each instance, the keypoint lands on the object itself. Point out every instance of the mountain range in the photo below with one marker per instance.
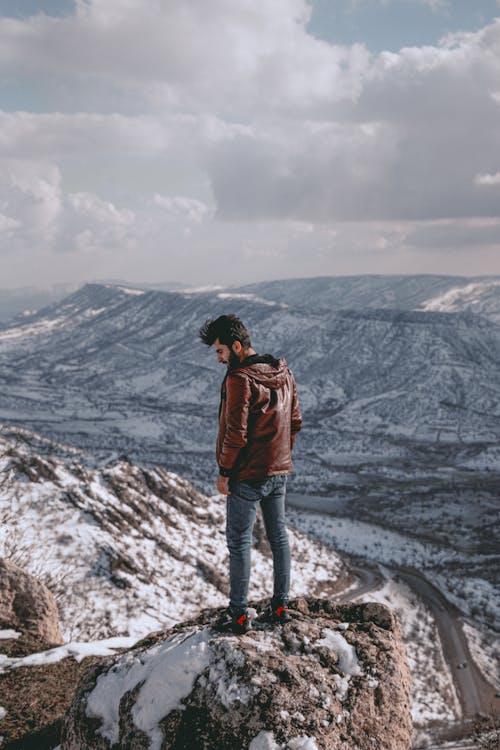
(406, 390)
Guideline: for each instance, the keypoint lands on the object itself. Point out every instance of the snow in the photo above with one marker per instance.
(128, 290)
(434, 697)
(366, 539)
(303, 743)
(26, 331)
(3, 713)
(74, 649)
(167, 673)
(252, 297)
(348, 660)
(484, 647)
(264, 741)
(457, 298)
(93, 548)
(229, 690)
(9, 634)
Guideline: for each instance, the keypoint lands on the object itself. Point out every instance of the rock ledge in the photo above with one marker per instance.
(335, 677)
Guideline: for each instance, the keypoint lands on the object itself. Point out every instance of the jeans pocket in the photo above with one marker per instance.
(246, 491)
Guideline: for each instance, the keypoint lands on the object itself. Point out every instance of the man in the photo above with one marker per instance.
(259, 418)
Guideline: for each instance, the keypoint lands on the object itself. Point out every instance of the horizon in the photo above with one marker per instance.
(185, 286)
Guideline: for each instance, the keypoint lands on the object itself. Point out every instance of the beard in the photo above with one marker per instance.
(234, 360)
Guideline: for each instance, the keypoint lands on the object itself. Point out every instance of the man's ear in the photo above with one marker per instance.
(237, 348)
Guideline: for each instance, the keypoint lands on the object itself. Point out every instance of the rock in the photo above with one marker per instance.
(35, 700)
(335, 677)
(27, 605)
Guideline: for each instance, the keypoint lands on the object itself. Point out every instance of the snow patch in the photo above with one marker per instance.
(264, 741)
(252, 297)
(75, 649)
(348, 660)
(166, 673)
(303, 743)
(6, 635)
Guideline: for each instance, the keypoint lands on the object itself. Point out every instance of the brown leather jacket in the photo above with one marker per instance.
(259, 418)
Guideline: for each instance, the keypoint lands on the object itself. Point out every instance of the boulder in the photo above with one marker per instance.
(335, 677)
(27, 605)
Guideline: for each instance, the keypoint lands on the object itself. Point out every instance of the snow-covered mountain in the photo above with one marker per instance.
(329, 293)
(127, 549)
(479, 296)
(120, 369)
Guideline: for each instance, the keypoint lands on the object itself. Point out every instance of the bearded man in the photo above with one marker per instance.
(259, 418)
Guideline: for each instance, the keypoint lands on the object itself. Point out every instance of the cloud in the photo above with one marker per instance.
(177, 124)
(57, 135)
(250, 56)
(470, 233)
(193, 210)
(423, 125)
(7, 224)
(30, 203)
(487, 179)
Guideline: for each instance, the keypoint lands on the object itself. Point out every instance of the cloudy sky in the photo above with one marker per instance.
(224, 141)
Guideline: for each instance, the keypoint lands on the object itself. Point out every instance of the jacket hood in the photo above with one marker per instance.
(264, 369)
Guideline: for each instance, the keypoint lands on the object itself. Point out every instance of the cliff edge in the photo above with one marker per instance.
(335, 677)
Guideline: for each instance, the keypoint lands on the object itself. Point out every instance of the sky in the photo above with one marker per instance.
(214, 142)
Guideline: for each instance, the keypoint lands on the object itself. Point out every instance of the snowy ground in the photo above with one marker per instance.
(127, 551)
(484, 650)
(474, 596)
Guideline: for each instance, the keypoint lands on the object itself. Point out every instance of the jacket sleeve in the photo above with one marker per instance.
(236, 433)
(296, 415)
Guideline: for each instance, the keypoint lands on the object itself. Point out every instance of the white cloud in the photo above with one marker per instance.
(7, 224)
(57, 134)
(194, 210)
(100, 211)
(98, 224)
(237, 56)
(487, 179)
(31, 202)
(229, 113)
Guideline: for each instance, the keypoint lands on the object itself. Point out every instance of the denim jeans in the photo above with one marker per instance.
(241, 512)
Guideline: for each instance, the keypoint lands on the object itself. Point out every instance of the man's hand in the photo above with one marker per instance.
(222, 485)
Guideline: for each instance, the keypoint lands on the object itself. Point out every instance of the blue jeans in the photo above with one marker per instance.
(241, 512)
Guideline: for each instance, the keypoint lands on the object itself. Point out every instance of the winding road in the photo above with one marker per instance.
(475, 693)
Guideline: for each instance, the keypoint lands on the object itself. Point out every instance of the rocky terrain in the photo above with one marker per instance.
(127, 549)
(335, 677)
(108, 392)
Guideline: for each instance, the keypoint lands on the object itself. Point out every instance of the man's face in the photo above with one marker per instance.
(225, 355)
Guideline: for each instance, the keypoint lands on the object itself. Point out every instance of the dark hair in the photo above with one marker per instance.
(226, 328)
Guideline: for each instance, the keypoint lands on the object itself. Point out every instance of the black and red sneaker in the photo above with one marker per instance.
(280, 614)
(277, 612)
(233, 620)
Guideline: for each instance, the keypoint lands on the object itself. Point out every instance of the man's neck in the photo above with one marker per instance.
(247, 353)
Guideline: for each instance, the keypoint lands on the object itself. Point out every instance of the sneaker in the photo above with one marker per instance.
(277, 613)
(233, 620)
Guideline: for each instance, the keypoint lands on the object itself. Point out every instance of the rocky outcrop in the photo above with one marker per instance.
(27, 605)
(335, 677)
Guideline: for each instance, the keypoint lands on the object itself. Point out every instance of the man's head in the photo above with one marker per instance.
(229, 336)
